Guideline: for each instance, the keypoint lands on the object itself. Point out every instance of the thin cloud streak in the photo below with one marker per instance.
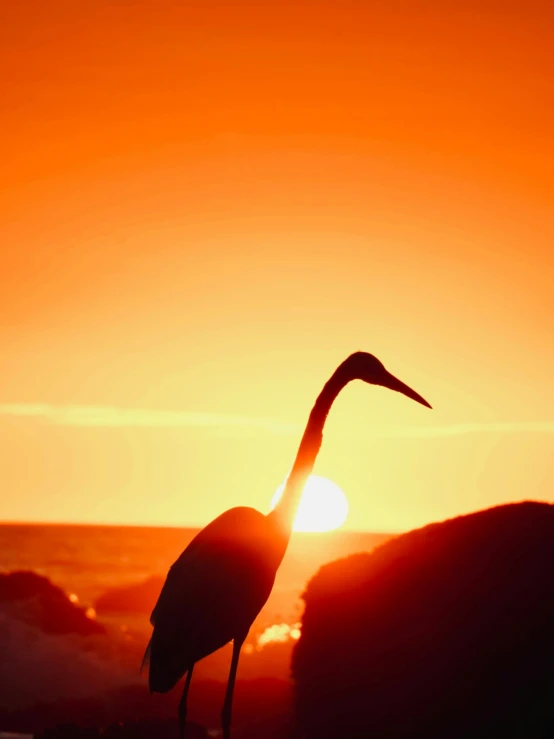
(109, 416)
(112, 416)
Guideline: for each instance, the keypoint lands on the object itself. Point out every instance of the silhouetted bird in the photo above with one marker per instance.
(217, 587)
(445, 632)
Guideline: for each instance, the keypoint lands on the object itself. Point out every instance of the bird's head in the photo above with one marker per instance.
(366, 367)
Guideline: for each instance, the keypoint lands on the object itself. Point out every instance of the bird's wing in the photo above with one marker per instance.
(205, 583)
(211, 595)
(185, 588)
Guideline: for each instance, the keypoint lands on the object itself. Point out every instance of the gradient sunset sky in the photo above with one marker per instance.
(206, 207)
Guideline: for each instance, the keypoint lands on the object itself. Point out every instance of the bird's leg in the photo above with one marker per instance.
(228, 702)
(183, 704)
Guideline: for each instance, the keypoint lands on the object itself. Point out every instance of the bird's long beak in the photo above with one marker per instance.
(395, 384)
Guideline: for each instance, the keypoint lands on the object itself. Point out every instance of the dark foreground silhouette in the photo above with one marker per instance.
(446, 632)
(263, 709)
(154, 729)
(219, 584)
(35, 600)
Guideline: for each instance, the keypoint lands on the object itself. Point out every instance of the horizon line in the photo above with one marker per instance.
(193, 526)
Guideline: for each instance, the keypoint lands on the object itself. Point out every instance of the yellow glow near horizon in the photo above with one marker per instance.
(323, 506)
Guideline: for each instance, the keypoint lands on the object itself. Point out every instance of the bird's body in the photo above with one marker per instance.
(242, 553)
(219, 584)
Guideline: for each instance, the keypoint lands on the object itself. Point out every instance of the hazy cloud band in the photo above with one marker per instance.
(102, 416)
(111, 416)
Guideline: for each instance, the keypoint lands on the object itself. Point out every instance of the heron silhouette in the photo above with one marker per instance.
(219, 584)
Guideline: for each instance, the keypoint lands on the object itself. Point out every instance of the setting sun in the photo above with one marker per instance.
(323, 506)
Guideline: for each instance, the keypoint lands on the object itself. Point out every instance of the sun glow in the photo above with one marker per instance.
(323, 506)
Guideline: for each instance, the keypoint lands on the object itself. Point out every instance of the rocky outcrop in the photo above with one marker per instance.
(445, 632)
(34, 599)
(140, 597)
(51, 649)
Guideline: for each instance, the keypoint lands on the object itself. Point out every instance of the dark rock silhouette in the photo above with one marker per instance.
(216, 588)
(49, 648)
(34, 599)
(137, 598)
(445, 632)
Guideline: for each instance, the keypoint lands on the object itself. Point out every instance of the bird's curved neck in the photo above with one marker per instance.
(284, 512)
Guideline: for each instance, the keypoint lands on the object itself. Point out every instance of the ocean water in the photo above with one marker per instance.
(89, 560)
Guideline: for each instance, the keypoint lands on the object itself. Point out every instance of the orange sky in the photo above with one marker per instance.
(204, 210)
